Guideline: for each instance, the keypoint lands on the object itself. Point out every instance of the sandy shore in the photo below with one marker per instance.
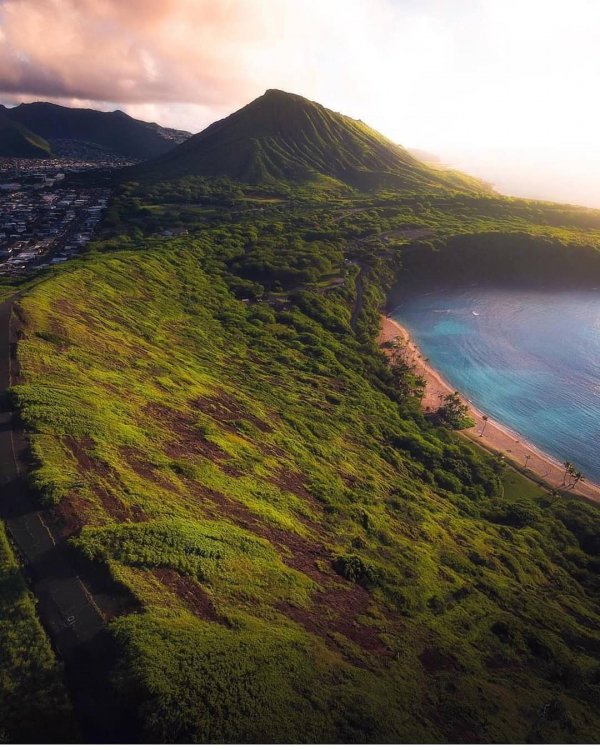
(496, 437)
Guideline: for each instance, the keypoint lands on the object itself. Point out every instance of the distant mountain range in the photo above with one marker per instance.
(42, 130)
(282, 137)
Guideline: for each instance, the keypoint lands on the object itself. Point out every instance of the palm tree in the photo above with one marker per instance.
(485, 421)
(420, 387)
(578, 477)
(569, 469)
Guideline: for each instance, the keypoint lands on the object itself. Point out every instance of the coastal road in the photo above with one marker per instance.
(409, 233)
(65, 606)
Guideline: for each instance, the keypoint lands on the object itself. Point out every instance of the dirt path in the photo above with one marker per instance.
(65, 606)
(410, 233)
(496, 437)
(358, 302)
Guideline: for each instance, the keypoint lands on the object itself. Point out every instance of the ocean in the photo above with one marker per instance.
(529, 359)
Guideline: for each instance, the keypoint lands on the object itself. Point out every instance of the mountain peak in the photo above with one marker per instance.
(284, 137)
(282, 96)
(279, 92)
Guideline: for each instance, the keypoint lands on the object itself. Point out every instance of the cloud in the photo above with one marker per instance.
(213, 55)
(134, 51)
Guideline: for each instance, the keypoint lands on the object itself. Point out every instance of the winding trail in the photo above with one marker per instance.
(360, 293)
(66, 607)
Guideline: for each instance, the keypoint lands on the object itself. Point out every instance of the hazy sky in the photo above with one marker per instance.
(505, 89)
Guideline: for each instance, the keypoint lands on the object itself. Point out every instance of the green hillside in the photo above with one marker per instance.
(19, 142)
(284, 547)
(312, 560)
(281, 137)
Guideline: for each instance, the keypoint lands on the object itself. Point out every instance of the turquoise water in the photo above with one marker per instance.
(530, 359)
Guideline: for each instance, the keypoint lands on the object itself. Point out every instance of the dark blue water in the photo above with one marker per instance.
(530, 359)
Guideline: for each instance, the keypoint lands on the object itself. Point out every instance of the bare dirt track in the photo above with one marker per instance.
(68, 610)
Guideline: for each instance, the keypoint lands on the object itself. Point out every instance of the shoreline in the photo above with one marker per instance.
(496, 437)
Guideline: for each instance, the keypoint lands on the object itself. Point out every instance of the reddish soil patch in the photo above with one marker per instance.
(189, 442)
(69, 516)
(272, 450)
(224, 508)
(65, 307)
(336, 606)
(95, 471)
(349, 480)
(225, 409)
(292, 481)
(335, 611)
(189, 591)
(433, 660)
(144, 469)
(116, 508)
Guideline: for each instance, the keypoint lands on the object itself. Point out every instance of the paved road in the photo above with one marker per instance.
(66, 608)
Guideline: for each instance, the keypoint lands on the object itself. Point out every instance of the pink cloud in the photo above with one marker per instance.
(187, 62)
(136, 51)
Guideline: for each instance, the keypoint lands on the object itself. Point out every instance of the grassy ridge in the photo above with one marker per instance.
(314, 561)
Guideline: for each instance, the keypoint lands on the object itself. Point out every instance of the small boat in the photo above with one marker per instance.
(474, 313)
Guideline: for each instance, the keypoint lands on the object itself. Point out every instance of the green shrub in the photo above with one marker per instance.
(353, 568)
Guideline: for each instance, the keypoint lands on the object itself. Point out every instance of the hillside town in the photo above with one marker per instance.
(44, 220)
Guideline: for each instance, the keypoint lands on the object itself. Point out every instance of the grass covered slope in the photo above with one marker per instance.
(282, 137)
(312, 560)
